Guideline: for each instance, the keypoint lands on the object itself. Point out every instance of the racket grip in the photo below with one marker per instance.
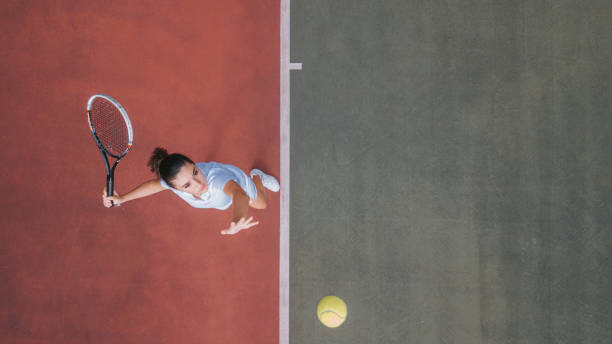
(109, 189)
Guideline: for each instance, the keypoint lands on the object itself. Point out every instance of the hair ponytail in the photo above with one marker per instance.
(167, 166)
(156, 158)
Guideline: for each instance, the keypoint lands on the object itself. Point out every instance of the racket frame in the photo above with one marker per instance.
(110, 171)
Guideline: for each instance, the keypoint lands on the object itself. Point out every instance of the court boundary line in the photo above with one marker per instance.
(283, 263)
(284, 255)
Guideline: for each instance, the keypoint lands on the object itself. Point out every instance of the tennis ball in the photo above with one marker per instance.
(331, 311)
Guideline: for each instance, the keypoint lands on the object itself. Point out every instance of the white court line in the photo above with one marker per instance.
(283, 275)
(285, 67)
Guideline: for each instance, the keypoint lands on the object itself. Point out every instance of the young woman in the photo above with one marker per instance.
(204, 185)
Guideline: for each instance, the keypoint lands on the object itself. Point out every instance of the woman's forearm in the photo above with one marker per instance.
(143, 190)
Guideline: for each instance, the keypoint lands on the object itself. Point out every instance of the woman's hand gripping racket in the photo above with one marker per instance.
(112, 130)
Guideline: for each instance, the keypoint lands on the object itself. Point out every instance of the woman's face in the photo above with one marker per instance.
(190, 179)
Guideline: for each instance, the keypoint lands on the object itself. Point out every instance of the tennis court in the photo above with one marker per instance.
(447, 165)
(198, 77)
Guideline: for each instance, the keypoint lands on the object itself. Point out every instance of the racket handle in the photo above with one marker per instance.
(109, 189)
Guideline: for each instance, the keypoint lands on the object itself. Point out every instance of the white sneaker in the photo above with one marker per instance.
(267, 180)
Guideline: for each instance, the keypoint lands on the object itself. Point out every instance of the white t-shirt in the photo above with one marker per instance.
(216, 176)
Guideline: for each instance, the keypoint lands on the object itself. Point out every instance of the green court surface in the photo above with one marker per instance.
(451, 170)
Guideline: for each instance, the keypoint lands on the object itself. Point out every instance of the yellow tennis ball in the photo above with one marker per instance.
(331, 311)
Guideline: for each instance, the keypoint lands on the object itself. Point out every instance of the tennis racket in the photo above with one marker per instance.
(111, 128)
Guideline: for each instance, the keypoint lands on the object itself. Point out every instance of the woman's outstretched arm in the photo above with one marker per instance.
(145, 189)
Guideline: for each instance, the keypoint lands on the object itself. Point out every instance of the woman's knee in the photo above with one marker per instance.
(263, 204)
(259, 204)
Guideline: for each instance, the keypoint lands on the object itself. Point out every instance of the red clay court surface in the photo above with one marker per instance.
(198, 77)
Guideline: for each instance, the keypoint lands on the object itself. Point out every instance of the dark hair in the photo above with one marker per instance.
(167, 166)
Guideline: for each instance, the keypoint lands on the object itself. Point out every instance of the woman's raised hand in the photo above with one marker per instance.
(242, 224)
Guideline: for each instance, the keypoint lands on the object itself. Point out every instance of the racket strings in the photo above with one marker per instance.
(110, 126)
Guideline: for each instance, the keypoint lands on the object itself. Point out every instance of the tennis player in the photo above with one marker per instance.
(204, 185)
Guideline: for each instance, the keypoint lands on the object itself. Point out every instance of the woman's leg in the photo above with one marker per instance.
(262, 199)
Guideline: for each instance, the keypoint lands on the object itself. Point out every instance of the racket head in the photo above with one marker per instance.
(110, 125)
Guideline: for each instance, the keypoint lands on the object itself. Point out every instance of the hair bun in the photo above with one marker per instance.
(157, 157)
